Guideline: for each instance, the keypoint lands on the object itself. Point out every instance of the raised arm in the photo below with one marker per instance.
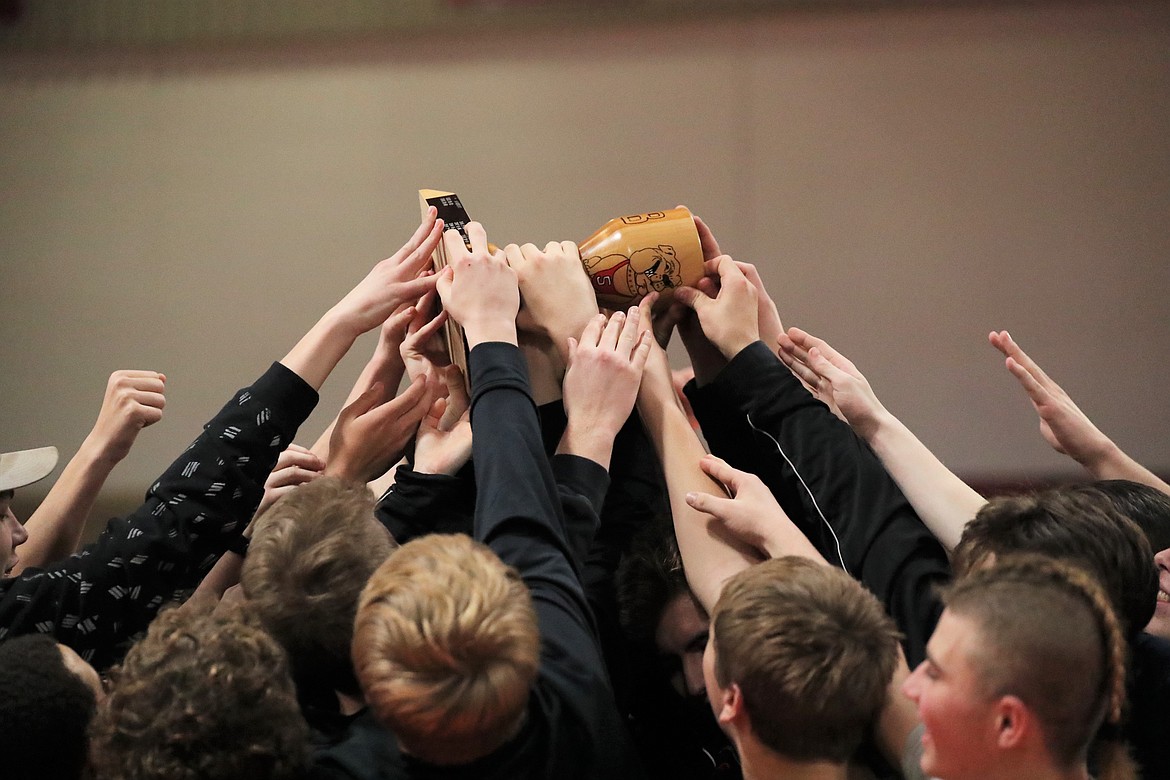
(828, 480)
(133, 401)
(943, 501)
(295, 466)
(709, 554)
(752, 515)
(1064, 426)
(392, 282)
(199, 506)
(384, 367)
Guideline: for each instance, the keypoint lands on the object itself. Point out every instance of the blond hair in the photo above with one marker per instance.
(446, 647)
(1048, 635)
(812, 652)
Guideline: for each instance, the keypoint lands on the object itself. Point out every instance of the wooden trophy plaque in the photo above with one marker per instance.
(455, 217)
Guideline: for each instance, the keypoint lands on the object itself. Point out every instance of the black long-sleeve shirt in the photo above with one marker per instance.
(96, 600)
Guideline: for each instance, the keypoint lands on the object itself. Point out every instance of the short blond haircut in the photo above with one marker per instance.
(446, 647)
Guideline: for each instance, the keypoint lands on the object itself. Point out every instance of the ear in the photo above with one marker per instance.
(731, 704)
(1014, 722)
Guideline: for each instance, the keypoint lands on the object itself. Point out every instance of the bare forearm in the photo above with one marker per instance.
(709, 556)
(55, 528)
(319, 351)
(384, 368)
(223, 575)
(586, 441)
(944, 502)
(1113, 463)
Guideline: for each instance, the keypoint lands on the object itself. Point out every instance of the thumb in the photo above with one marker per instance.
(707, 503)
(364, 402)
(690, 297)
(443, 283)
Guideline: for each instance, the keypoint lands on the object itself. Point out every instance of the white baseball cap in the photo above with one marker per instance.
(25, 467)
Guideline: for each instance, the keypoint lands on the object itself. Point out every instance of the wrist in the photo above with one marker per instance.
(592, 441)
(736, 343)
(342, 469)
(438, 463)
(341, 323)
(1102, 458)
(99, 452)
(494, 329)
(875, 427)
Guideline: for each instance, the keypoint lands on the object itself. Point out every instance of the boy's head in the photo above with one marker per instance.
(47, 698)
(1028, 656)
(18, 469)
(310, 556)
(656, 606)
(1076, 524)
(446, 647)
(203, 695)
(800, 658)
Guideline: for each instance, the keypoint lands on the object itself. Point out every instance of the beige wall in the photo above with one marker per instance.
(907, 180)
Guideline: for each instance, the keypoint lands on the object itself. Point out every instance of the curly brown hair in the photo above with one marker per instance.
(203, 695)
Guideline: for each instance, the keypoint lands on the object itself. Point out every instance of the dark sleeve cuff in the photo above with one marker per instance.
(707, 402)
(497, 364)
(583, 476)
(742, 369)
(283, 387)
(418, 504)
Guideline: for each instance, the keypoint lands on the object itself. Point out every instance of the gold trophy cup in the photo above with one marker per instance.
(632, 256)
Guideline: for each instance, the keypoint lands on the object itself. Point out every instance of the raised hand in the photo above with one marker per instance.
(729, 316)
(372, 432)
(557, 298)
(833, 379)
(295, 466)
(398, 279)
(1063, 425)
(750, 513)
(444, 435)
(422, 348)
(601, 384)
(478, 288)
(133, 401)
(767, 315)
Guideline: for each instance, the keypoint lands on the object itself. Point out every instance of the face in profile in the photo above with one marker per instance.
(681, 637)
(12, 534)
(81, 669)
(959, 719)
(1160, 623)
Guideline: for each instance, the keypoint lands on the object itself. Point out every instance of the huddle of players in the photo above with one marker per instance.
(558, 528)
